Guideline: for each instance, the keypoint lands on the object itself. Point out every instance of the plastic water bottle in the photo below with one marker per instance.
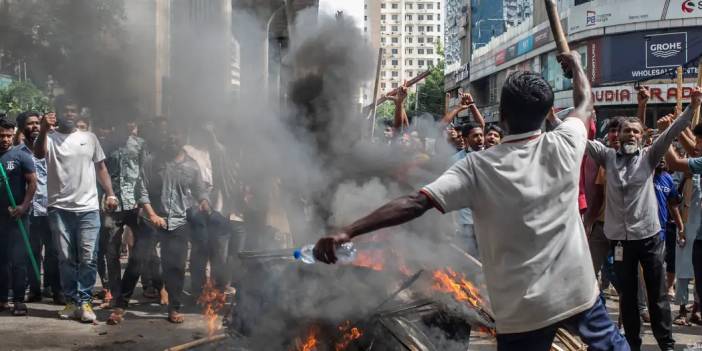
(345, 253)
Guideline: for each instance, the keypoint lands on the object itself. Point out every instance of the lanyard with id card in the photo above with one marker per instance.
(619, 252)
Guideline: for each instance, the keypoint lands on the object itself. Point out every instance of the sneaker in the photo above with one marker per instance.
(86, 313)
(69, 312)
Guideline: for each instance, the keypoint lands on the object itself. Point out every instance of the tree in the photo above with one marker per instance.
(431, 91)
(22, 96)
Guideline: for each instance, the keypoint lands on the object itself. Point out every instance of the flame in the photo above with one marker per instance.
(349, 335)
(372, 259)
(310, 343)
(487, 331)
(460, 288)
(212, 300)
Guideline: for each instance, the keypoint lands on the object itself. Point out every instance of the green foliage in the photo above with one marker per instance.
(431, 92)
(22, 96)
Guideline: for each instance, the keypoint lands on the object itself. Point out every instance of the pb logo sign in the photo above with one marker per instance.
(666, 50)
(591, 18)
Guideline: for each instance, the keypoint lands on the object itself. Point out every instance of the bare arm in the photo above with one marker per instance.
(675, 162)
(467, 101)
(642, 98)
(687, 140)
(22, 208)
(40, 144)
(104, 178)
(582, 92)
(593, 207)
(393, 213)
(666, 138)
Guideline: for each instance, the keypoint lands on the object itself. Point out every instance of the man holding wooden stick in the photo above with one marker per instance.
(523, 194)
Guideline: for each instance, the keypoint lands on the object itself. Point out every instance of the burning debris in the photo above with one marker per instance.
(212, 301)
(349, 334)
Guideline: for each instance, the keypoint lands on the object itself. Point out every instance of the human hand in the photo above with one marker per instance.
(664, 122)
(682, 239)
(643, 94)
(157, 221)
(696, 97)
(111, 203)
(18, 211)
(569, 62)
(325, 249)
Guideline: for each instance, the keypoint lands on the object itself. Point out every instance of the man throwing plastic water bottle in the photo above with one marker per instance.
(537, 263)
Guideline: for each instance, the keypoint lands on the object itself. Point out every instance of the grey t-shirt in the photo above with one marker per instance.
(70, 162)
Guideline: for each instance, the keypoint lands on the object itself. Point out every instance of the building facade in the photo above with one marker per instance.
(409, 32)
(622, 44)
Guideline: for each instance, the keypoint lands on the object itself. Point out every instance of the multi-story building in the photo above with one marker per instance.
(643, 45)
(409, 32)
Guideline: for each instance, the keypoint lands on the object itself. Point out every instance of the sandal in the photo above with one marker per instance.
(116, 317)
(176, 317)
(682, 321)
(19, 310)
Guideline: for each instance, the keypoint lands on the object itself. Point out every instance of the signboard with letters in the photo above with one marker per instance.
(626, 95)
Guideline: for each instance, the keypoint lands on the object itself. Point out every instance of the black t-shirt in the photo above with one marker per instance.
(16, 164)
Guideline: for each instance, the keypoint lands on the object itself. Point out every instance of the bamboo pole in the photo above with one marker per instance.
(375, 92)
(696, 115)
(555, 21)
(196, 343)
(678, 96)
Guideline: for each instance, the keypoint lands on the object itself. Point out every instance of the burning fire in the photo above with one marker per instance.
(212, 301)
(461, 288)
(310, 343)
(372, 259)
(349, 335)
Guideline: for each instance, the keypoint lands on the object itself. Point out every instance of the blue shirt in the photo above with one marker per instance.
(16, 164)
(665, 191)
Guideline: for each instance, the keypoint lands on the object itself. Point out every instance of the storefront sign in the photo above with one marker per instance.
(525, 45)
(501, 57)
(602, 13)
(626, 95)
(542, 37)
(643, 55)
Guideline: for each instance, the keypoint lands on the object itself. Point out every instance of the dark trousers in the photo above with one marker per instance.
(236, 245)
(594, 327)
(41, 239)
(650, 253)
(697, 265)
(109, 250)
(599, 247)
(13, 260)
(210, 236)
(174, 253)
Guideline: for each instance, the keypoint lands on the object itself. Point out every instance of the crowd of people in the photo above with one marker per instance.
(561, 221)
(584, 219)
(86, 199)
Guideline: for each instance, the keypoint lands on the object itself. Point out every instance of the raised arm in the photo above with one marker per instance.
(672, 130)
(642, 98)
(393, 213)
(597, 151)
(582, 93)
(675, 162)
(398, 98)
(467, 100)
(40, 144)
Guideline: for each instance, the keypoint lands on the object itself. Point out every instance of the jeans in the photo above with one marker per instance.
(210, 237)
(109, 252)
(13, 260)
(77, 236)
(594, 327)
(40, 237)
(467, 240)
(650, 253)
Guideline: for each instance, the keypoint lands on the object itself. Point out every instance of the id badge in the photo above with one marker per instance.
(619, 252)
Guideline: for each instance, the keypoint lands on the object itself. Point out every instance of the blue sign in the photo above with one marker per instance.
(525, 45)
(666, 50)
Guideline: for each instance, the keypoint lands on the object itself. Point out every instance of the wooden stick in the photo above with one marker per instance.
(696, 115)
(678, 96)
(555, 20)
(409, 83)
(375, 91)
(198, 342)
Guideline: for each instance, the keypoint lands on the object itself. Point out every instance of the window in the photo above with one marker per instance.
(409, 74)
(382, 86)
(430, 28)
(394, 51)
(430, 62)
(395, 28)
(420, 28)
(383, 63)
(395, 17)
(394, 6)
(394, 85)
(408, 29)
(382, 17)
(420, 6)
(420, 63)
(438, 17)
(395, 40)
(408, 17)
(394, 62)
(409, 62)
(382, 6)
(420, 40)
(430, 6)
(365, 18)
(430, 39)
(430, 17)
(438, 6)
(420, 17)
(438, 28)
(382, 40)
(408, 6)
(430, 51)
(365, 29)
(420, 51)
(409, 50)
(395, 73)
(408, 40)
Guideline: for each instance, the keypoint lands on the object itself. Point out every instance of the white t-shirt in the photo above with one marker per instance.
(70, 163)
(524, 197)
